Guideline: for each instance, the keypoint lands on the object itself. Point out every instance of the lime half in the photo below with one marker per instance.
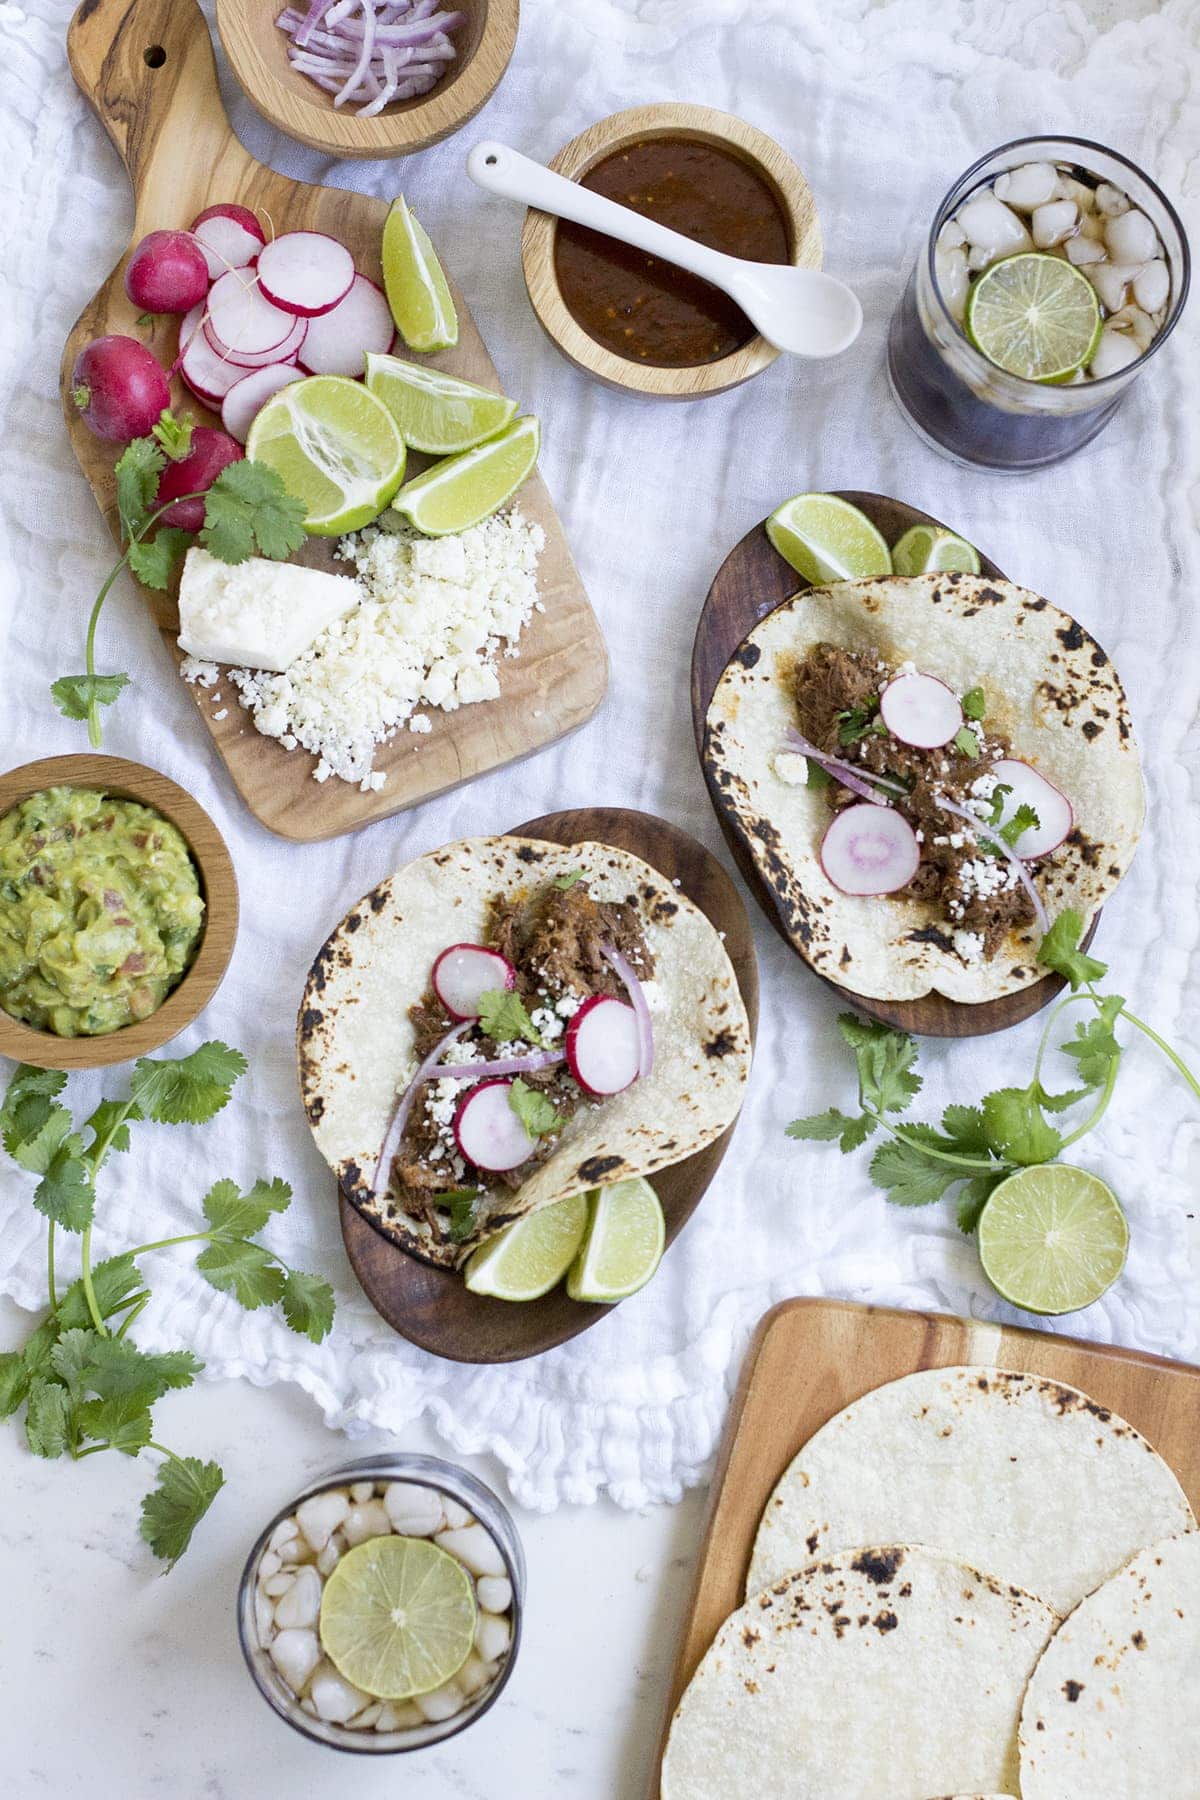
(826, 539)
(1035, 316)
(398, 1617)
(1052, 1238)
(930, 549)
(417, 290)
(527, 1258)
(436, 412)
(625, 1240)
(334, 446)
(461, 490)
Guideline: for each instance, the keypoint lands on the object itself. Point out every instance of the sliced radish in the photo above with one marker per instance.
(306, 272)
(286, 352)
(247, 397)
(488, 1131)
(338, 341)
(464, 972)
(604, 1046)
(230, 237)
(243, 321)
(920, 710)
(870, 850)
(209, 375)
(1055, 813)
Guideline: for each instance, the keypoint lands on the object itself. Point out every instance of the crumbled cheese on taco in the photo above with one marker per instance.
(437, 615)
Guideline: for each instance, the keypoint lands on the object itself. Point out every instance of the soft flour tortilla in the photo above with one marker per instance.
(356, 1042)
(1112, 1711)
(886, 1674)
(1050, 689)
(1016, 1474)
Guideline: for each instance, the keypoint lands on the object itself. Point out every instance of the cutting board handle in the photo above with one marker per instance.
(147, 69)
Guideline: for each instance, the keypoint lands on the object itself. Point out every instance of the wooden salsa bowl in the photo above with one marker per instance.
(700, 124)
(124, 780)
(257, 52)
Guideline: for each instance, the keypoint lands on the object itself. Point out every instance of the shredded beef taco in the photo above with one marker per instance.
(506, 1022)
(926, 772)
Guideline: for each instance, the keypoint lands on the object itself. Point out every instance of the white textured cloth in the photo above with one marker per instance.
(882, 106)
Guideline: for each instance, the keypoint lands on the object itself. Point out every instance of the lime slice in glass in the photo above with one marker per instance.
(398, 1617)
(415, 284)
(1035, 316)
(826, 539)
(930, 549)
(334, 446)
(461, 490)
(527, 1258)
(436, 412)
(1052, 1238)
(625, 1240)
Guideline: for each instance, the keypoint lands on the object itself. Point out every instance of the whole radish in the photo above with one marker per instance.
(194, 474)
(167, 273)
(119, 389)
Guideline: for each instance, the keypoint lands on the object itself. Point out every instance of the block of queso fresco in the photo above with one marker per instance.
(257, 614)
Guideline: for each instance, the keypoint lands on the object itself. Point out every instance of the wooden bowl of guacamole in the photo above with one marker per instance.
(118, 911)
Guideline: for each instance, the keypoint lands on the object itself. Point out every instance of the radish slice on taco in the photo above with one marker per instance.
(612, 1040)
(926, 771)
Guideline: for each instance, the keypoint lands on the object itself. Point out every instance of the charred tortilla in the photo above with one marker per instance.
(357, 1043)
(1051, 691)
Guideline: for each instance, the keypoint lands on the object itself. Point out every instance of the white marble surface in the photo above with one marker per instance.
(121, 1684)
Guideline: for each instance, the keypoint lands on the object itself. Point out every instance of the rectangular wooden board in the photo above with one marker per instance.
(811, 1358)
(166, 119)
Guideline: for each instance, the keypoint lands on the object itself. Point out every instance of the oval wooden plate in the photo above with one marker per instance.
(134, 781)
(431, 1307)
(752, 581)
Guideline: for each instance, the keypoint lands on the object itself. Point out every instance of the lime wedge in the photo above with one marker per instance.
(929, 549)
(334, 446)
(416, 286)
(436, 412)
(1035, 316)
(624, 1244)
(1052, 1238)
(398, 1617)
(461, 490)
(826, 539)
(527, 1258)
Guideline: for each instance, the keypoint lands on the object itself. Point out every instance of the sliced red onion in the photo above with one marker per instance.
(866, 786)
(404, 1106)
(371, 51)
(623, 970)
(501, 1065)
(1026, 880)
(316, 12)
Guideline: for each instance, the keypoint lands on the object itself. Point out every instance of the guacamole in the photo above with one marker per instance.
(100, 911)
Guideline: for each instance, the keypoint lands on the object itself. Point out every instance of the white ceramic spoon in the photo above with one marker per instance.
(801, 310)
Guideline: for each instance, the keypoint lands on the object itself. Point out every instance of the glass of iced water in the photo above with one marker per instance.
(1054, 271)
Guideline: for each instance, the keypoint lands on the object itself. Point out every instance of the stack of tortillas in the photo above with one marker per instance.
(970, 1584)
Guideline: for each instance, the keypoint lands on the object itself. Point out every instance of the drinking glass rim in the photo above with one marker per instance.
(1019, 383)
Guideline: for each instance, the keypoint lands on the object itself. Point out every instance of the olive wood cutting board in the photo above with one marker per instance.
(432, 1307)
(811, 1358)
(147, 69)
(752, 581)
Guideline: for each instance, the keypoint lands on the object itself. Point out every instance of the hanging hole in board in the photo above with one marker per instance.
(154, 56)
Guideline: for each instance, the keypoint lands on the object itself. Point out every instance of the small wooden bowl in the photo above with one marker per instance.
(218, 884)
(257, 52)
(701, 124)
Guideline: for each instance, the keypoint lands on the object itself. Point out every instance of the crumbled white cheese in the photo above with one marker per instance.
(969, 945)
(200, 673)
(568, 1005)
(790, 767)
(984, 786)
(436, 616)
(906, 668)
(547, 1023)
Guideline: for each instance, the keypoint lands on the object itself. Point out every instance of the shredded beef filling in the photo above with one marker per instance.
(553, 938)
(836, 695)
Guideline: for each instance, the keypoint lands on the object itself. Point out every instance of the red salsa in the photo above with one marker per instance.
(648, 310)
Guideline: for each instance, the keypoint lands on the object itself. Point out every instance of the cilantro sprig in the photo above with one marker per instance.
(84, 1384)
(247, 510)
(974, 1147)
(504, 1017)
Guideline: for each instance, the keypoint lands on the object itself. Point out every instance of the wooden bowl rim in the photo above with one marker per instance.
(702, 124)
(126, 780)
(415, 125)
